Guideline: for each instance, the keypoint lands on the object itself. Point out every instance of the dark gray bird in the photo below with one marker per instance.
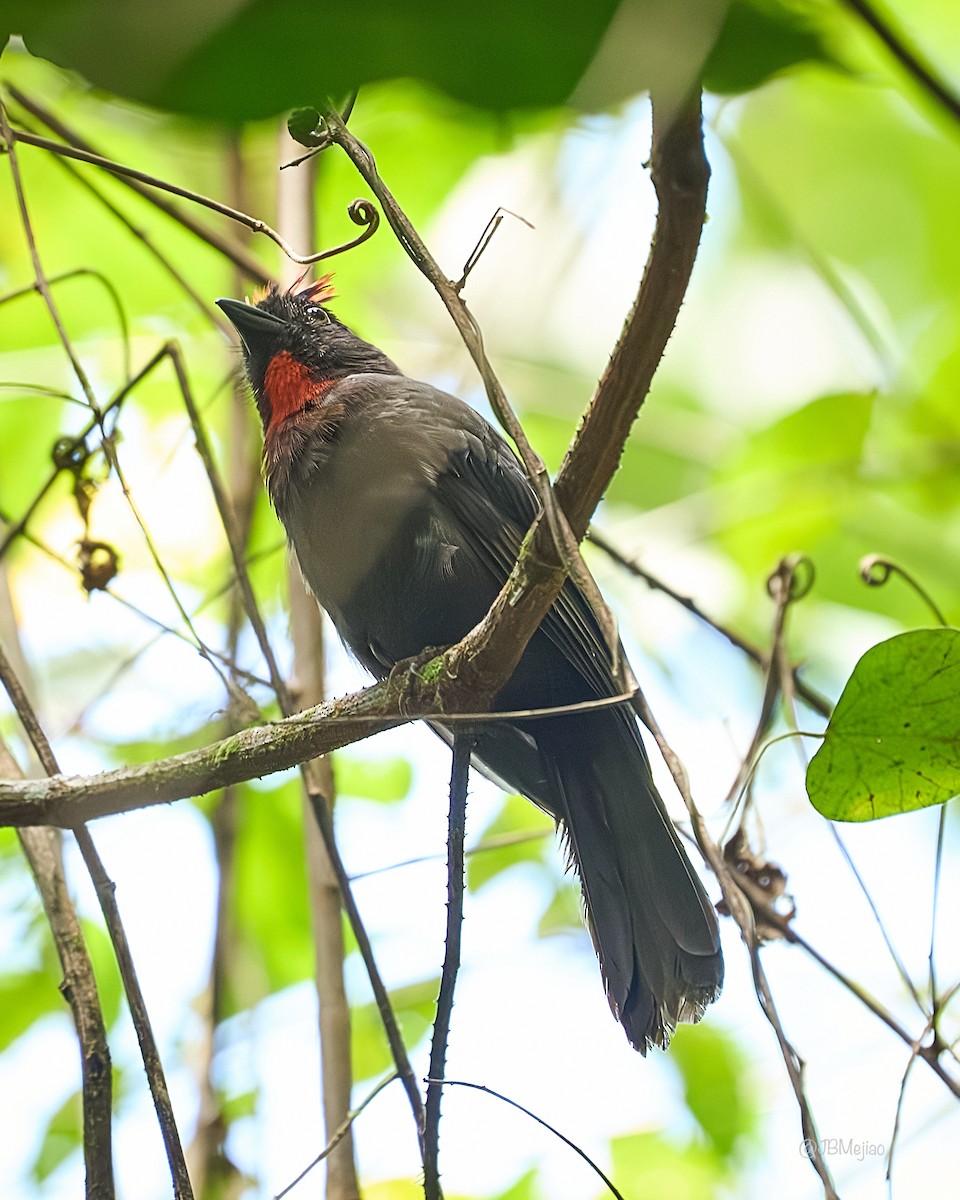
(407, 510)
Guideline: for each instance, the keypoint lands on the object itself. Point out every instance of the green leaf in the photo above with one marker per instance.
(759, 39)
(414, 1006)
(714, 1076)
(893, 742)
(647, 1167)
(105, 970)
(525, 1188)
(513, 836)
(269, 906)
(236, 63)
(564, 912)
(24, 999)
(62, 1137)
(385, 779)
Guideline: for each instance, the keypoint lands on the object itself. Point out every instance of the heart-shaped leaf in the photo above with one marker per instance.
(893, 742)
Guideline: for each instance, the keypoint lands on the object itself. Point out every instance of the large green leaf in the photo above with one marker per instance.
(715, 1086)
(760, 38)
(893, 742)
(239, 61)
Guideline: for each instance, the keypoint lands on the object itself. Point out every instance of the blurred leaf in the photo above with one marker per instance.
(759, 39)
(242, 1105)
(32, 423)
(414, 1006)
(715, 1082)
(62, 1137)
(105, 970)
(392, 1189)
(648, 1167)
(274, 946)
(24, 999)
(131, 752)
(796, 484)
(385, 779)
(564, 913)
(893, 742)
(525, 1188)
(491, 54)
(513, 836)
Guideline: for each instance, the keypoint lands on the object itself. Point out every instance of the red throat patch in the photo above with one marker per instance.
(289, 388)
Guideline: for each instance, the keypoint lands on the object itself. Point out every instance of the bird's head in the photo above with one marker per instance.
(295, 349)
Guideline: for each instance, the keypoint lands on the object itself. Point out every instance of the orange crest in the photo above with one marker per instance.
(319, 292)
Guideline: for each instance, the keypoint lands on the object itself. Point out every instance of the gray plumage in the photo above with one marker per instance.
(407, 510)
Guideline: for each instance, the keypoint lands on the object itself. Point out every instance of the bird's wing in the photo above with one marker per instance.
(493, 503)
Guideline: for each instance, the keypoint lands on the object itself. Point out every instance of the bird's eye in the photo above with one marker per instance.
(317, 314)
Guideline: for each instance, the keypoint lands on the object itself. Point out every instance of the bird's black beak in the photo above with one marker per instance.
(258, 329)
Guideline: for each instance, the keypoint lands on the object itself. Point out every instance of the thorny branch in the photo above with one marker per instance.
(463, 743)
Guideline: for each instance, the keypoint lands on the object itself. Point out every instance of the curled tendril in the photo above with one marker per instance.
(876, 570)
(792, 579)
(360, 212)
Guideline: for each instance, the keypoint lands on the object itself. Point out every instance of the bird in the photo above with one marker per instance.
(406, 510)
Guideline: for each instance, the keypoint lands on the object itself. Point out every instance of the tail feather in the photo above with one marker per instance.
(652, 924)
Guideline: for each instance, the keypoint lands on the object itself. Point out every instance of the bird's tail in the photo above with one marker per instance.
(653, 926)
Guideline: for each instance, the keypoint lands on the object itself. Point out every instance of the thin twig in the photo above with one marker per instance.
(42, 849)
(106, 895)
(781, 586)
(152, 1064)
(565, 548)
(361, 212)
(937, 871)
(479, 1087)
(228, 521)
(32, 289)
(296, 217)
(314, 791)
(40, 279)
(877, 569)
(339, 1134)
(795, 1068)
(894, 1136)
(83, 151)
(739, 908)
(394, 1037)
(463, 743)
(790, 934)
(908, 58)
(484, 241)
(210, 311)
(810, 697)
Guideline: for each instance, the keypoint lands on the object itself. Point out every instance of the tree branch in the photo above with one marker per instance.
(462, 746)
(43, 852)
(468, 675)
